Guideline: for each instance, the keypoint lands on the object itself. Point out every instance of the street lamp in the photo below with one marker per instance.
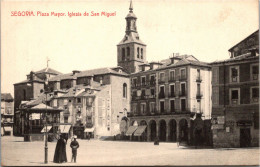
(46, 135)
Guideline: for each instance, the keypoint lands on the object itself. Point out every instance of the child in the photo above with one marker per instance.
(74, 146)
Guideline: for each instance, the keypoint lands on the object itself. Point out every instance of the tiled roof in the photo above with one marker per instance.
(86, 73)
(246, 56)
(42, 106)
(39, 100)
(63, 77)
(48, 70)
(27, 81)
(6, 97)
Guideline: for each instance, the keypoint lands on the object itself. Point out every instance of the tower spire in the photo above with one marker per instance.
(131, 7)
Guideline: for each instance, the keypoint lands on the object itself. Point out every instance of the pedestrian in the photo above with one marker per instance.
(60, 155)
(74, 146)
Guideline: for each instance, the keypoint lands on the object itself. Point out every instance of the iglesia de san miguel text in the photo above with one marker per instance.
(179, 99)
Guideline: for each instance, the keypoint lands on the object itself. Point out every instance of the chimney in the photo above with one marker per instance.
(32, 76)
(172, 59)
(75, 72)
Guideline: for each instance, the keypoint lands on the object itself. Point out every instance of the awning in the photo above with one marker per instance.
(65, 128)
(8, 128)
(89, 129)
(44, 129)
(131, 130)
(140, 130)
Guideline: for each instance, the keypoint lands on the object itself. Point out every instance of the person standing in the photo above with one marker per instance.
(60, 151)
(74, 146)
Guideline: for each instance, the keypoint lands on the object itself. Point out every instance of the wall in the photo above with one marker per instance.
(118, 103)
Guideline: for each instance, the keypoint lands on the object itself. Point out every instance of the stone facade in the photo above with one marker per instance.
(235, 97)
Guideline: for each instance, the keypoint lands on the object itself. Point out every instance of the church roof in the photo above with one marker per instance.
(49, 71)
(132, 37)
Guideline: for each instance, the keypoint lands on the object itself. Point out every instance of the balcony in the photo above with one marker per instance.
(198, 79)
(172, 79)
(182, 93)
(161, 81)
(172, 94)
(255, 100)
(198, 95)
(151, 96)
(234, 101)
(152, 82)
(143, 83)
(161, 95)
(255, 76)
(183, 78)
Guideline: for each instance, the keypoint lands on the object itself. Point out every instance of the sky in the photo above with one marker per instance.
(205, 29)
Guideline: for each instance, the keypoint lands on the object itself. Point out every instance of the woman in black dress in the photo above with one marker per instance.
(60, 151)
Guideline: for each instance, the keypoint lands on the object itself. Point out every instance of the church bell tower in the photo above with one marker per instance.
(131, 51)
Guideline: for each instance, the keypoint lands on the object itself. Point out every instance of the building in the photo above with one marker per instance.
(30, 89)
(7, 113)
(92, 101)
(164, 94)
(235, 96)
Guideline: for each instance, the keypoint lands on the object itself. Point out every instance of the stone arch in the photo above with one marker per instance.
(152, 125)
(144, 135)
(172, 130)
(162, 130)
(183, 130)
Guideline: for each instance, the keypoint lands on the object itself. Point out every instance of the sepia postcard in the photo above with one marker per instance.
(130, 83)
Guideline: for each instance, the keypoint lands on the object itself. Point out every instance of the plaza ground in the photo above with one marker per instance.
(14, 151)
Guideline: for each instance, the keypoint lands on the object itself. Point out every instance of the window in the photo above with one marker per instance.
(66, 119)
(172, 90)
(55, 103)
(254, 94)
(161, 106)
(161, 94)
(135, 82)
(138, 52)
(9, 110)
(152, 80)
(234, 71)
(183, 73)
(172, 75)
(134, 108)
(141, 53)
(234, 96)
(123, 54)
(152, 92)
(172, 105)
(124, 90)
(78, 100)
(198, 89)
(143, 81)
(183, 89)
(198, 75)
(183, 104)
(143, 108)
(152, 107)
(128, 53)
(143, 94)
(255, 72)
(162, 77)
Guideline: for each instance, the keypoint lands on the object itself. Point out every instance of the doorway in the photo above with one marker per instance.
(245, 137)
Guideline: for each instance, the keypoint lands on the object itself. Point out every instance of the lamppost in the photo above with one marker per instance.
(46, 133)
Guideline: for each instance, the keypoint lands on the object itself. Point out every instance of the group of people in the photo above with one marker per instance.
(60, 155)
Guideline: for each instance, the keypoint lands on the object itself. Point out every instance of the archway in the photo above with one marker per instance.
(153, 130)
(123, 127)
(162, 131)
(183, 130)
(172, 130)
